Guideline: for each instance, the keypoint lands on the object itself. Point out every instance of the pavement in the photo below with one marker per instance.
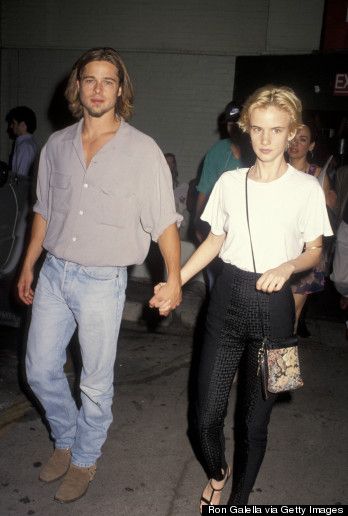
(148, 466)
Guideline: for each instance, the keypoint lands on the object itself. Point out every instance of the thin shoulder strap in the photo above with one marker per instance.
(247, 217)
(252, 251)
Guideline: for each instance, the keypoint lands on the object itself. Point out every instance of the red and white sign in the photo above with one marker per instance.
(341, 84)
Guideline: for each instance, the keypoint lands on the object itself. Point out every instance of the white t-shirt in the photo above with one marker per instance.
(283, 215)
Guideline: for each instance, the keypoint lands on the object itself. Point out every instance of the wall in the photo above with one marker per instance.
(180, 55)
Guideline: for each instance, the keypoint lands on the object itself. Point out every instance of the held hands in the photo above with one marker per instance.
(167, 296)
(274, 279)
(25, 292)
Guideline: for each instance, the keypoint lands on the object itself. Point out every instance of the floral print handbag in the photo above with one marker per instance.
(278, 364)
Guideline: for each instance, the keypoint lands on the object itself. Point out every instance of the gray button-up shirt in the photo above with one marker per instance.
(105, 214)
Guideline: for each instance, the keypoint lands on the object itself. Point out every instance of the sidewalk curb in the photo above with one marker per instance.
(14, 412)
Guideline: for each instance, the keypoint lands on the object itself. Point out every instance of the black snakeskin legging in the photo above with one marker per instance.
(232, 339)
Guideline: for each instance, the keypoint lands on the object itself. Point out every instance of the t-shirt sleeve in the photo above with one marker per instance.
(43, 183)
(214, 212)
(315, 221)
(158, 207)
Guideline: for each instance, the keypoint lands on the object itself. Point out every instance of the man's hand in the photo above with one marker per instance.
(38, 232)
(274, 279)
(167, 297)
(25, 292)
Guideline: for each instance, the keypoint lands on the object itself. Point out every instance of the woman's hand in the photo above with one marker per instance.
(274, 279)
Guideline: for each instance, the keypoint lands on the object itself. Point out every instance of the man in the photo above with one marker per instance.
(104, 190)
(21, 126)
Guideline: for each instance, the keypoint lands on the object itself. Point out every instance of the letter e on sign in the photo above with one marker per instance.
(341, 84)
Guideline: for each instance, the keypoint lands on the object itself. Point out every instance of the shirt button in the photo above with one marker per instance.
(74, 239)
(85, 185)
(81, 212)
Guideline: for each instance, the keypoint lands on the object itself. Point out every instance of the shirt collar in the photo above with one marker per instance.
(115, 141)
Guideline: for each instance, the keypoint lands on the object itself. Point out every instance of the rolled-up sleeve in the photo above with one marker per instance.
(43, 183)
(158, 206)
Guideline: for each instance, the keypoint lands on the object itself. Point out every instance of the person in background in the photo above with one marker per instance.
(173, 167)
(222, 156)
(180, 193)
(21, 122)
(288, 218)
(300, 154)
(341, 188)
(340, 262)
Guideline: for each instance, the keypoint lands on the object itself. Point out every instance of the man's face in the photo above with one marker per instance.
(99, 88)
(16, 128)
(233, 130)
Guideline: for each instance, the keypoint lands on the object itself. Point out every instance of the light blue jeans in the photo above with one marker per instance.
(92, 298)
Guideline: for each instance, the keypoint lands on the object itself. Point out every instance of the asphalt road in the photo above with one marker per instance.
(148, 465)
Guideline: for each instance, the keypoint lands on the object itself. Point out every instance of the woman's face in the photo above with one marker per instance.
(269, 132)
(301, 144)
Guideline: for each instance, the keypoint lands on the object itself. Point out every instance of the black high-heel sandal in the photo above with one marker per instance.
(205, 501)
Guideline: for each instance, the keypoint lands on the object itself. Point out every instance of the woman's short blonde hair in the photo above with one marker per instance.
(124, 104)
(281, 97)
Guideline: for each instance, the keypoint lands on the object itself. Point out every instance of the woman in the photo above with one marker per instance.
(300, 149)
(286, 212)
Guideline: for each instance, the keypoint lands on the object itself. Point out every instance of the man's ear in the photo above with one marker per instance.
(22, 127)
(119, 93)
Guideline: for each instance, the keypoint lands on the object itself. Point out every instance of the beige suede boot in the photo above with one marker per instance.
(56, 466)
(75, 483)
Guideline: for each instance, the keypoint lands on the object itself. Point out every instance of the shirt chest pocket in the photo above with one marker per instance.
(60, 192)
(116, 208)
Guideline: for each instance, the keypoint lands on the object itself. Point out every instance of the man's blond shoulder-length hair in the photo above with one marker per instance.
(281, 97)
(124, 105)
